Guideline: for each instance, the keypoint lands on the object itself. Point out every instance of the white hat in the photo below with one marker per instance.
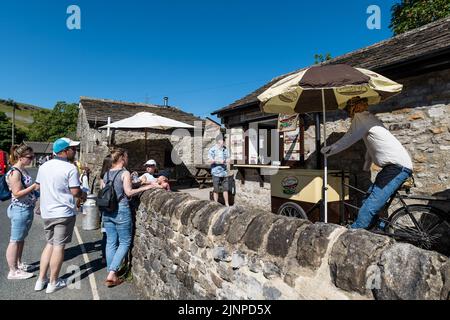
(150, 163)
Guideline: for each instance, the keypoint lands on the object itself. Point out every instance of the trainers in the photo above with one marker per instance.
(19, 275)
(24, 267)
(40, 284)
(52, 287)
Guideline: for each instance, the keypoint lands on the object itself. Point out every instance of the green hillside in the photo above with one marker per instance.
(24, 113)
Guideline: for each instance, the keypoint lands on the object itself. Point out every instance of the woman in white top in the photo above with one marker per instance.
(148, 176)
(20, 212)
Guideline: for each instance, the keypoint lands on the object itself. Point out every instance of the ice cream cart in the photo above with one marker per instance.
(298, 193)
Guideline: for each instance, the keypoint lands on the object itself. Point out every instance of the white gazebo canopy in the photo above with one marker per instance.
(147, 120)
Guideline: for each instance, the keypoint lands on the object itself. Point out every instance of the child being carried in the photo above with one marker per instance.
(161, 182)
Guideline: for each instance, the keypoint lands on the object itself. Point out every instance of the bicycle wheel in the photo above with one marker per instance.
(432, 232)
(291, 209)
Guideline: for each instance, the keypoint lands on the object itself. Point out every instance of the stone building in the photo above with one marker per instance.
(41, 149)
(175, 153)
(418, 117)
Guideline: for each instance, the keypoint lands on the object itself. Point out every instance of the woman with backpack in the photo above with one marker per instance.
(117, 218)
(20, 212)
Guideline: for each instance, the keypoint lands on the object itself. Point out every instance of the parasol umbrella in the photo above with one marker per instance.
(147, 120)
(326, 88)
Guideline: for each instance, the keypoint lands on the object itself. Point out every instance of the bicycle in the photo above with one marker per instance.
(423, 225)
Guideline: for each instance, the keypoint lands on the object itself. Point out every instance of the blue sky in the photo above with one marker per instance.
(202, 54)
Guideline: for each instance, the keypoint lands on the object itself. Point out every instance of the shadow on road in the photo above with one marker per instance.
(85, 270)
(74, 252)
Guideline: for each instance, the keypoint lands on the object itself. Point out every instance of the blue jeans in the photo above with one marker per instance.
(21, 220)
(118, 227)
(387, 182)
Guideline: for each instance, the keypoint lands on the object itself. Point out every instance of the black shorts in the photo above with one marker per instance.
(220, 184)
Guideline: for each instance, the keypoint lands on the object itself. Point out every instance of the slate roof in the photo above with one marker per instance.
(427, 40)
(40, 147)
(98, 111)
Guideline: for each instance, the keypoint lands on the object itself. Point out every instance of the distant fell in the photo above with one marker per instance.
(24, 112)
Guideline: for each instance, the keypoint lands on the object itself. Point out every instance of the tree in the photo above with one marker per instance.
(411, 14)
(5, 133)
(319, 58)
(51, 125)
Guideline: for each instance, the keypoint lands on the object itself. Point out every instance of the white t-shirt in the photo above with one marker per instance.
(382, 147)
(55, 177)
(148, 177)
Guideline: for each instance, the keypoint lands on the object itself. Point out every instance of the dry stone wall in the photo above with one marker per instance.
(253, 193)
(186, 248)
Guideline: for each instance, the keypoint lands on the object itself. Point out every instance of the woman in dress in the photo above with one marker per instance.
(21, 209)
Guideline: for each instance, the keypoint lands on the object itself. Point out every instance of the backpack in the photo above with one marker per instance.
(107, 197)
(5, 192)
(231, 185)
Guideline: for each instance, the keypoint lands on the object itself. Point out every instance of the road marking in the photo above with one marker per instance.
(91, 276)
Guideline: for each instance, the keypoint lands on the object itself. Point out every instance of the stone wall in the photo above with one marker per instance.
(195, 249)
(93, 147)
(428, 89)
(252, 189)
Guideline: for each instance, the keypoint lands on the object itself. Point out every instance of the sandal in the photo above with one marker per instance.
(113, 283)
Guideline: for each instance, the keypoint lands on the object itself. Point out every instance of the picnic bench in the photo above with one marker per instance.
(202, 176)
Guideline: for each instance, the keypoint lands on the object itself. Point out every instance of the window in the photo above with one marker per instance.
(263, 142)
(236, 143)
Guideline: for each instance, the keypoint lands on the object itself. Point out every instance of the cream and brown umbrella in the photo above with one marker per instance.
(302, 92)
(326, 88)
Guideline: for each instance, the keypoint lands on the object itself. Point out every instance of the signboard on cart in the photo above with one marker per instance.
(287, 122)
(292, 145)
(306, 185)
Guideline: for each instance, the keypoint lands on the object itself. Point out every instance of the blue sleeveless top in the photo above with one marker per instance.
(118, 183)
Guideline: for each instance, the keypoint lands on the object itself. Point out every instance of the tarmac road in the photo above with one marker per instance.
(82, 262)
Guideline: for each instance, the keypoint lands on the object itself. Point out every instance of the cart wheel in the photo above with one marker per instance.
(291, 209)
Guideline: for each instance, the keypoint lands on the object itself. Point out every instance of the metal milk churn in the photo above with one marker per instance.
(91, 215)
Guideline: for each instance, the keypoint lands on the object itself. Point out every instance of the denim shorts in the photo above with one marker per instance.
(21, 220)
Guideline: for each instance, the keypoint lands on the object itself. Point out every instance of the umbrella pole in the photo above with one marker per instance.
(325, 162)
(318, 140)
(145, 143)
